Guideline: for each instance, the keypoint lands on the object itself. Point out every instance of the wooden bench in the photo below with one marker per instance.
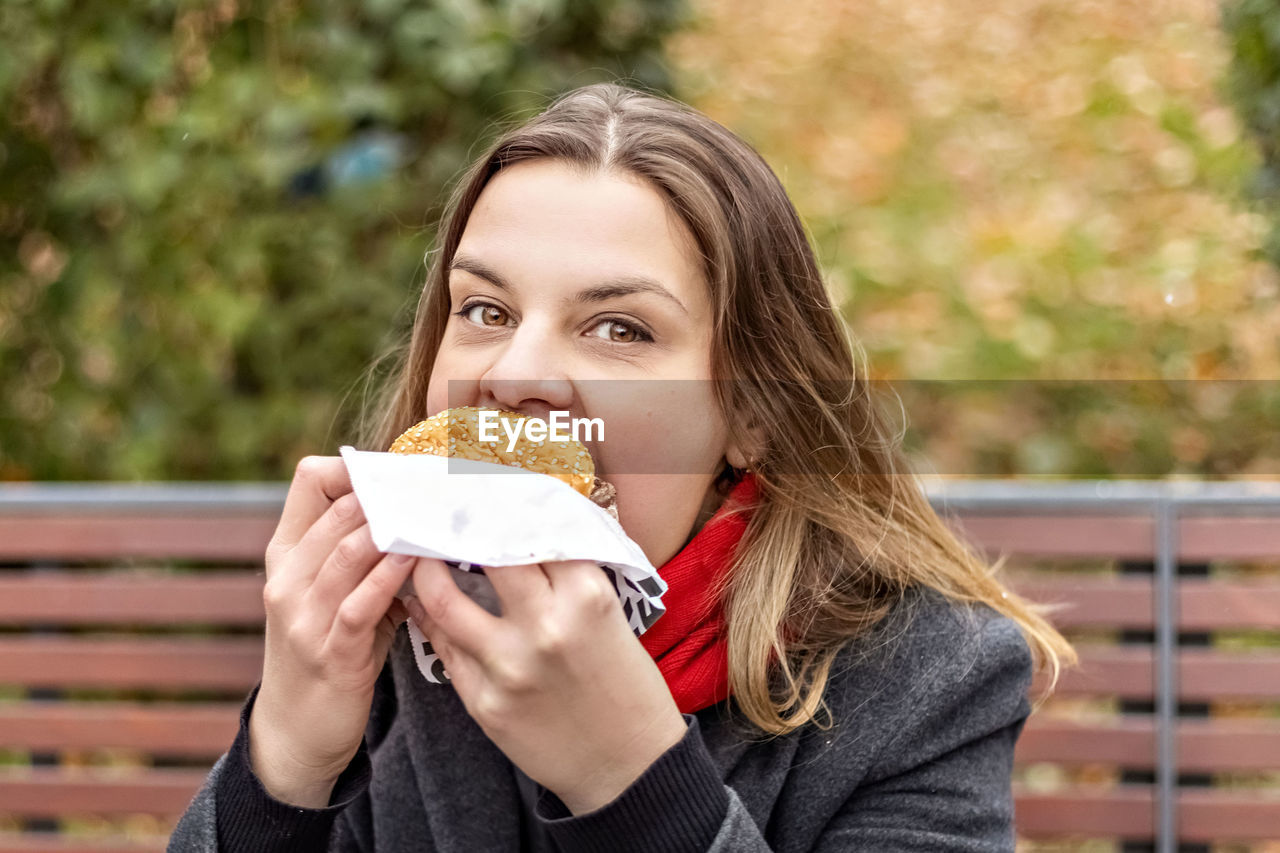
(139, 619)
(1117, 556)
(132, 619)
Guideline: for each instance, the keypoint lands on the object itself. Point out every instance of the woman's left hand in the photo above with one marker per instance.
(559, 682)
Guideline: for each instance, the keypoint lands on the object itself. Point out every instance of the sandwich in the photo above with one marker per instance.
(456, 433)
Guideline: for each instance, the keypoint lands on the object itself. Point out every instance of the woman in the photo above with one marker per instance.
(835, 671)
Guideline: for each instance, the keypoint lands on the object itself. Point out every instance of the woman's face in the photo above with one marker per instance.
(584, 294)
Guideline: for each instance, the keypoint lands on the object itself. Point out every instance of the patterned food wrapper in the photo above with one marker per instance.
(475, 514)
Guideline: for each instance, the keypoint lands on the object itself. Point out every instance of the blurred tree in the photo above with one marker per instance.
(1030, 214)
(1253, 26)
(213, 214)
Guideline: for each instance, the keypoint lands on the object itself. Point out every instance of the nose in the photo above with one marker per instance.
(528, 375)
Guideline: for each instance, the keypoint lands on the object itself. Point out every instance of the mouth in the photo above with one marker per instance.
(470, 432)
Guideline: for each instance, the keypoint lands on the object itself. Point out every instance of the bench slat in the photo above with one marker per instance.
(1204, 746)
(1207, 605)
(220, 663)
(1123, 742)
(1206, 538)
(1126, 811)
(1123, 536)
(49, 792)
(1108, 536)
(100, 536)
(1126, 602)
(75, 597)
(1204, 815)
(1123, 671)
(1128, 537)
(1090, 600)
(1208, 674)
(119, 598)
(245, 537)
(235, 598)
(202, 730)
(1202, 674)
(42, 842)
(234, 663)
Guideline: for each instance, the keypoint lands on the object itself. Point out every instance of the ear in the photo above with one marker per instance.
(744, 455)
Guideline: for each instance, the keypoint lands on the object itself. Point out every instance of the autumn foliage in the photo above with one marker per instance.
(1041, 219)
(1046, 196)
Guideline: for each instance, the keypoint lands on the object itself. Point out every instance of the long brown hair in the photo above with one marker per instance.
(842, 529)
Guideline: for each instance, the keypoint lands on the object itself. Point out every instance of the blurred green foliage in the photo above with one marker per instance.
(213, 216)
(1253, 27)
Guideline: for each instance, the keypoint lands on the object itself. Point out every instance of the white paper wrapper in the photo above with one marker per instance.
(475, 514)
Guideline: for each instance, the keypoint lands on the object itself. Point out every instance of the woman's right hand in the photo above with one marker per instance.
(332, 613)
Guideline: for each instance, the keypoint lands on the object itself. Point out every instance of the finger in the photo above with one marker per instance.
(360, 613)
(318, 481)
(385, 633)
(584, 584)
(467, 623)
(316, 548)
(347, 564)
(462, 669)
(575, 576)
(396, 613)
(521, 589)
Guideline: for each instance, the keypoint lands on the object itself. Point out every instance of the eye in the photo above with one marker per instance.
(484, 314)
(621, 332)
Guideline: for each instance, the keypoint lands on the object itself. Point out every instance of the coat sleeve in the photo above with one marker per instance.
(233, 812)
(941, 779)
(197, 831)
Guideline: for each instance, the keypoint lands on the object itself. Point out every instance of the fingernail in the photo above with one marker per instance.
(402, 559)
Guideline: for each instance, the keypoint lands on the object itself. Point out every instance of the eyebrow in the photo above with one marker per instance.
(622, 285)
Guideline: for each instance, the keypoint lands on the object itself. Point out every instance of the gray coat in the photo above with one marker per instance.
(927, 709)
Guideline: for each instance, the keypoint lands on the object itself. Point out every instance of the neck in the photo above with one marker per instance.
(711, 502)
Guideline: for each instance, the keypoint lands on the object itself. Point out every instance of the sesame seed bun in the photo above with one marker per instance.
(456, 433)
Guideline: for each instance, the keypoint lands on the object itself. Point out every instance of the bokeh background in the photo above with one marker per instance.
(1049, 223)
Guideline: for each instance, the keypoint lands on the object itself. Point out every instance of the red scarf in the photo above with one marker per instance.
(688, 641)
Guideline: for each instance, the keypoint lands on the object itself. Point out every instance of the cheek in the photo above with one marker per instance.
(661, 427)
(436, 402)
(451, 384)
(437, 391)
(658, 511)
